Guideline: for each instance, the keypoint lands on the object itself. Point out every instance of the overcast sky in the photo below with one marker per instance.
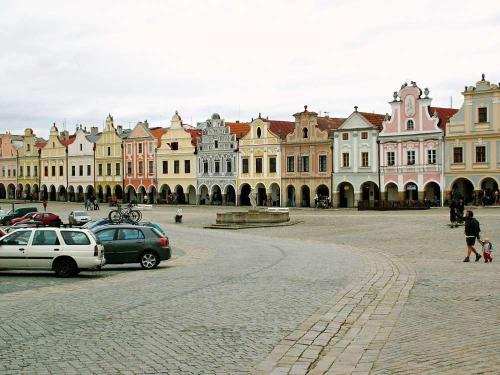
(75, 62)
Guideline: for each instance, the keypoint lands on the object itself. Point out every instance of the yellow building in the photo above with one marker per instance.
(54, 159)
(176, 163)
(29, 165)
(259, 165)
(109, 162)
(472, 152)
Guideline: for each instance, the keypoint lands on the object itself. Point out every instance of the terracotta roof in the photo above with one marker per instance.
(240, 129)
(158, 132)
(66, 142)
(329, 123)
(444, 115)
(281, 128)
(375, 119)
(195, 134)
(40, 144)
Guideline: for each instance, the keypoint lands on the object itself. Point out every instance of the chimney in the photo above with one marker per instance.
(65, 135)
(119, 129)
(94, 130)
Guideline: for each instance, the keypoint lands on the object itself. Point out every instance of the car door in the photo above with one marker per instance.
(107, 237)
(129, 244)
(13, 249)
(45, 246)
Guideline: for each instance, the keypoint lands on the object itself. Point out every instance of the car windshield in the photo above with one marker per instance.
(79, 213)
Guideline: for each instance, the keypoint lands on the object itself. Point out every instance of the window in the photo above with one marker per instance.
(217, 166)
(141, 167)
(345, 160)
(244, 165)
(165, 166)
(53, 145)
(187, 166)
(53, 170)
(290, 163)
(410, 125)
(45, 238)
(35, 171)
(229, 166)
(75, 238)
(176, 166)
(304, 164)
(272, 165)
(364, 135)
(129, 149)
(364, 159)
(20, 237)
(391, 158)
(80, 170)
(28, 171)
(117, 169)
(14, 173)
(28, 147)
(458, 155)
(109, 151)
(205, 166)
(20, 171)
(81, 147)
(480, 154)
(61, 170)
(150, 147)
(174, 146)
(99, 169)
(3, 171)
(127, 234)
(431, 156)
(259, 132)
(322, 163)
(108, 169)
(129, 168)
(151, 167)
(139, 148)
(304, 133)
(345, 136)
(89, 170)
(45, 171)
(482, 114)
(216, 144)
(258, 165)
(410, 157)
(73, 170)
(106, 235)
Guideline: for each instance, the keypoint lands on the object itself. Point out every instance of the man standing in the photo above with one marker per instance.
(471, 233)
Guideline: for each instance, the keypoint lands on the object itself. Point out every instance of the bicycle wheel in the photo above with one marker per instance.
(134, 216)
(115, 216)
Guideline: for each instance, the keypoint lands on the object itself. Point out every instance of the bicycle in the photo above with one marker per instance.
(127, 215)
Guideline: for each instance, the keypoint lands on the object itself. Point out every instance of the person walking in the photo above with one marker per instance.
(44, 206)
(453, 214)
(472, 230)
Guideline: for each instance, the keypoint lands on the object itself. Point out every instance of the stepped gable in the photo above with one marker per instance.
(281, 128)
(240, 129)
(443, 114)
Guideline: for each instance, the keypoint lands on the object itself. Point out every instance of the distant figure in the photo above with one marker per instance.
(453, 214)
(96, 203)
(487, 248)
(44, 206)
(472, 230)
(178, 216)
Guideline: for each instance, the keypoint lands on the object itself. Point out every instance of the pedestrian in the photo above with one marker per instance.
(460, 211)
(96, 203)
(487, 248)
(453, 214)
(472, 230)
(178, 216)
(316, 199)
(44, 206)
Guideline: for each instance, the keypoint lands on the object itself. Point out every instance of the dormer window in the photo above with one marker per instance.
(174, 146)
(259, 132)
(304, 133)
(482, 114)
(410, 125)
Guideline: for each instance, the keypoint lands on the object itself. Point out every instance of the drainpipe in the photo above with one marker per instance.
(443, 154)
(93, 174)
(67, 174)
(39, 172)
(123, 171)
(17, 173)
(378, 168)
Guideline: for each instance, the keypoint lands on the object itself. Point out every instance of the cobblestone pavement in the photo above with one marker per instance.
(217, 309)
(343, 292)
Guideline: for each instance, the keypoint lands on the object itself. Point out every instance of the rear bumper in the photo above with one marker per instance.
(165, 253)
(91, 263)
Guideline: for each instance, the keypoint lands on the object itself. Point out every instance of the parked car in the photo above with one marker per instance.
(126, 243)
(2, 213)
(154, 225)
(26, 217)
(25, 224)
(64, 250)
(18, 212)
(78, 217)
(48, 218)
(97, 223)
(2, 233)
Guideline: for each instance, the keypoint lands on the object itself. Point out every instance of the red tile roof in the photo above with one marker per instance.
(158, 132)
(375, 119)
(329, 123)
(240, 129)
(281, 128)
(195, 134)
(66, 142)
(444, 115)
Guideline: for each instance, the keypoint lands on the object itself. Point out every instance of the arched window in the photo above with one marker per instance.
(410, 125)
(305, 132)
(259, 132)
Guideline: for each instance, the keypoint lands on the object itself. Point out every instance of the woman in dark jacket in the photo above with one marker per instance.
(472, 230)
(453, 214)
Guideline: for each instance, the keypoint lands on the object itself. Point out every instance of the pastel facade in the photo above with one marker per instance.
(80, 167)
(109, 165)
(473, 143)
(411, 148)
(176, 163)
(259, 165)
(355, 174)
(306, 160)
(217, 163)
(28, 167)
(8, 166)
(54, 159)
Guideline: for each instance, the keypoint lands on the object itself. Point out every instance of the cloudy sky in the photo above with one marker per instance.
(74, 62)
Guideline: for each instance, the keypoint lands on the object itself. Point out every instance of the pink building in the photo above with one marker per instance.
(411, 147)
(8, 165)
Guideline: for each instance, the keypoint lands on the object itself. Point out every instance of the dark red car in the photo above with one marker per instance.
(47, 218)
(27, 217)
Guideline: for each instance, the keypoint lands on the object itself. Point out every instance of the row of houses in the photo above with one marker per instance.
(418, 152)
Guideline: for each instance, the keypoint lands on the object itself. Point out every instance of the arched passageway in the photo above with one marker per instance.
(216, 195)
(489, 187)
(107, 194)
(191, 192)
(179, 197)
(290, 196)
(346, 195)
(53, 193)
(204, 196)
(244, 195)
(305, 196)
(369, 191)
(61, 194)
(230, 195)
(392, 191)
(152, 195)
(118, 192)
(462, 188)
(261, 194)
(3, 192)
(432, 193)
(275, 195)
(141, 193)
(411, 191)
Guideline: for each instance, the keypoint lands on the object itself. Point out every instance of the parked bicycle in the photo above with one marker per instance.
(125, 215)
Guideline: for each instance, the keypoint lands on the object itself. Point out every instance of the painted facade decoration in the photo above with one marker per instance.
(140, 162)
(81, 166)
(306, 160)
(54, 177)
(29, 166)
(411, 148)
(8, 166)
(109, 162)
(216, 163)
(176, 163)
(355, 174)
(259, 165)
(473, 145)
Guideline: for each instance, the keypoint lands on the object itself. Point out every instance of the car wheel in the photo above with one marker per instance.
(149, 260)
(65, 267)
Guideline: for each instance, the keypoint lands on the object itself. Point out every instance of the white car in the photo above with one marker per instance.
(78, 217)
(64, 250)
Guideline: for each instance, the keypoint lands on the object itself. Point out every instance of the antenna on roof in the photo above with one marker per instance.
(239, 112)
(451, 101)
